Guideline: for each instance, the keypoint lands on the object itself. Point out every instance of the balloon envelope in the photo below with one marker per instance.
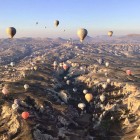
(128, 72)
(11, 31)
(88, 97)
(82, 33)
(85, 91)
(56, 23)
(102, 98)
(5, 91)
(110, 33)
(25, 115)
(26, 86)
(15, 106)
(65, 66)
(81, 105)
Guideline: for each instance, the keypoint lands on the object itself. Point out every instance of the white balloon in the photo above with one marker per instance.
(81, 106)
(85, 91)
(15, 106)
(102, 98)
(26, 86)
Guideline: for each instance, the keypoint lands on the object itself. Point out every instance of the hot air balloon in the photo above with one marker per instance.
(26, 86)
(128, 72)
(25, 115)
(100, 61)
(12, 64)
(106, 74)
(5, 91)
(88, 97)
(108, 80)
(102, 98)
(107, 64)
(35, 67)
(54, 63)
(68, 82)
(85, 91)
(65, 66)
(56, 23)
(61, 64)
(110, 33)
(82, 33)
(16, 101)
(11, 31)
(36, 23)
(74, 89)
(81, 106)
(15, 106)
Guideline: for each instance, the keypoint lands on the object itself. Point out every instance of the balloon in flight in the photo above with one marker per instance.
(102, 98)
(128, 72)
(56, 23)
(82, 33)
(15, 106)
(26, 86)
(25, 115)
(110, 33)
(5, 91)
(85, 91)
(89, 97)
(81, 106)
(11, 31)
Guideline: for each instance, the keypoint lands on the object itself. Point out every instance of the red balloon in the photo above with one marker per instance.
(128, 72)
(25, 115)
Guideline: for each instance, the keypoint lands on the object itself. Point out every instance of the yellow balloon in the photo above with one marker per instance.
(110, 33)
(11, 31)
(88, 97)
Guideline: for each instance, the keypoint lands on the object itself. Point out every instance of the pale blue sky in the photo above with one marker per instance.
(97, 16)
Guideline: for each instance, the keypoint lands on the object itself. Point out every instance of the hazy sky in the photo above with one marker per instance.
(97, 16)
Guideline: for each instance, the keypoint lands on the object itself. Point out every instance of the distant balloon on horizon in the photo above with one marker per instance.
(110, 33)
(82, 33)
(56, 23)
(11, 31)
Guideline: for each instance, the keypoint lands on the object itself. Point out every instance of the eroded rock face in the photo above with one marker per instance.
(10, 121)
(134, 104)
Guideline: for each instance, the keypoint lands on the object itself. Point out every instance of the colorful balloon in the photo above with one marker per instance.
(11, 31)
(5, 91)
(65, 66)
(110, 33)
(82, 33)
(15, 106)
(81, 106)
(25, 115)
(128, 72)
(89, 97)
(56, 23)
(102, 98)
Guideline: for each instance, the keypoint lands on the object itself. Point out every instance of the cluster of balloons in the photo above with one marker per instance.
(82, 33)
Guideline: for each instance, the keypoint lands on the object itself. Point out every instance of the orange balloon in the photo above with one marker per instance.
(128, 72)
(88, 97)
(25, 115)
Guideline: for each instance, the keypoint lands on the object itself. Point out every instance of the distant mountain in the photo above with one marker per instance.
(133, 35)
(59, 39)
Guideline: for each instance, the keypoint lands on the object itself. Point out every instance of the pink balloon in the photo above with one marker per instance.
(5, 91)
(65, 66)
(128, 72)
